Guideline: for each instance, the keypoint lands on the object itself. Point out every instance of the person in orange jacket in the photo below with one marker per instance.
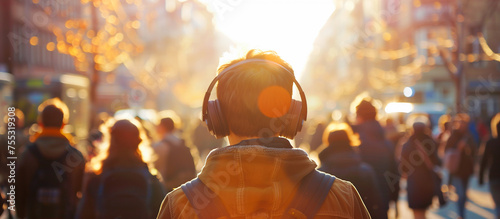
(260, 175)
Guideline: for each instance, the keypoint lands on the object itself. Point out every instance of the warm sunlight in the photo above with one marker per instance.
(288, 27)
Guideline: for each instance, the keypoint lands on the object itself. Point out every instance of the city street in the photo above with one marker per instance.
(128, 108)
(479, 205)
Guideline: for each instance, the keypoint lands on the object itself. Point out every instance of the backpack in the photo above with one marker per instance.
(312, 191)
(49, 188)
(125, 193)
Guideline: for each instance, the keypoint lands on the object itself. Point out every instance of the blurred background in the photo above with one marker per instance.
(148, 58)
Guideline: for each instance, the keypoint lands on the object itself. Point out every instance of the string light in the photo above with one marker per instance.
(34, 40)
(51, 46)
(105, 46)
(486, 48)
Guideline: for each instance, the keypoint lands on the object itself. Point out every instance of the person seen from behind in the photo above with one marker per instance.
(122, 187)
(460, 152)
(376, 150)
(340, 159)
(260, 175)
(423, 183)
(445, 128)
(491, 162)
(174, 160)
(50, 170)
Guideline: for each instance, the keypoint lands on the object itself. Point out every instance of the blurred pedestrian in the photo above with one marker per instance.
(445, 128)
(491, 162)
(174, 160)
(459, 159)
(260, 175)
(423, 182)
(376, 150)
(50, 170)
(482, 130)
(122, 187)
(341, 160)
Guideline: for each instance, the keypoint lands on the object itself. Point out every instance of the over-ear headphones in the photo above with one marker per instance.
(215, 119)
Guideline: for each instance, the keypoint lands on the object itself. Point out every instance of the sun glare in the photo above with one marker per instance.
(287, 27)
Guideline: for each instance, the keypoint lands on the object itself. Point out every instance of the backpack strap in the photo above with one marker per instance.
(36, 152)
(203, 200)
(310, 195)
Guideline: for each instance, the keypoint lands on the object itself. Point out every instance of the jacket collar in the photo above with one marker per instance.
(256, 178)
(274, 142)
(51, 133)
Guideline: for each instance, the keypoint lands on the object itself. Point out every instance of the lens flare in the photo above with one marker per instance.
(274, 101)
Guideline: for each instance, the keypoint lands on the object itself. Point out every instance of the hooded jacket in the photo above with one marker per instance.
(52, 145)
(348, 165)
(378, 152)
(257, 181)
(420, 186)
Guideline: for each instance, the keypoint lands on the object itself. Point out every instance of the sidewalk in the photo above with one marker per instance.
(479, 205)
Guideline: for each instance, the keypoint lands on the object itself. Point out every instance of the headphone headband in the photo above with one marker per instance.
(220, 75)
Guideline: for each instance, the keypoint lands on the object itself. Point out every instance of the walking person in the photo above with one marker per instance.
(491, 162)
(123, 187)
(460, 152)
(260, 175)
(423, 183)
(341, 160)
(174, 160)
(376, 150)
(50, 170)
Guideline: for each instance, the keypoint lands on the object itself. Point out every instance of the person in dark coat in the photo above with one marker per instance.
(122, 181)
(421, 152)
(491, 161)
(40, 191)
(462, 140)
(376, 150)
(340, 159)
(175, 162)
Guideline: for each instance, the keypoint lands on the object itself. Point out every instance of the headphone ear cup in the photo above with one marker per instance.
(294, 120)
(215, 120)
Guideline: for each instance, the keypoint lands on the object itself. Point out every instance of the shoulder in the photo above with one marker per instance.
(342, 188)
(176, 205)
(343, 201)
(491, 146)
(74, 151)
(75, 157)
(492, 142)
(27, 155)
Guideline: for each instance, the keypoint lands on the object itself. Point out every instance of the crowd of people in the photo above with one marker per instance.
(260, 175)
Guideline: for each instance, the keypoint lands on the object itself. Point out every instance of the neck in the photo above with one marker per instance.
(235, 139)
(165, 134)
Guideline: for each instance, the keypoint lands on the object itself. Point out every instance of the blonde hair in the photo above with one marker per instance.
(494, 124)
(353, 138)
(145, 152)
(443, 120)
